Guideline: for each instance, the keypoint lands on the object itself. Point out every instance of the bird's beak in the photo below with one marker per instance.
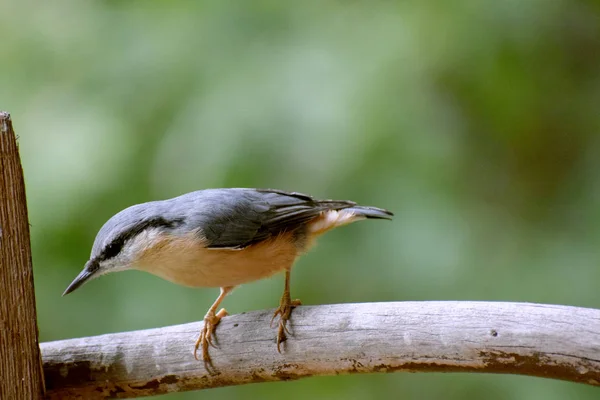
(88, 272)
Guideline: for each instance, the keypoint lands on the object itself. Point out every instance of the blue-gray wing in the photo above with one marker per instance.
(237, 218)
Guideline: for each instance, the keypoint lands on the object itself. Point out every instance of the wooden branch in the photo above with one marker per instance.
(549, 341)
(20, 364)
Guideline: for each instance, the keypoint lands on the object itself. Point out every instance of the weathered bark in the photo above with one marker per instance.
(20, 368)
(549, 341)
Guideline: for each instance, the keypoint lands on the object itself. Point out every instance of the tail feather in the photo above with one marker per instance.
(334, 218)
(359, 211)
(370, 212)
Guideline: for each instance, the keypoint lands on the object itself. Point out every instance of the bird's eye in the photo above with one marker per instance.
(113, 249)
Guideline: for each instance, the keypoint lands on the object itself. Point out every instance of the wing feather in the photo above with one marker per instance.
(248, 216)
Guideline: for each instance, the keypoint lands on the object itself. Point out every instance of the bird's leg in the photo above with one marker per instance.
(211, 320)
(286, 305)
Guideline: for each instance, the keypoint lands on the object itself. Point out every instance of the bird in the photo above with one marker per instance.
(219, 238)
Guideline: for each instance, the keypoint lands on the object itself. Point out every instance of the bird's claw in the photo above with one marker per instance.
(284, 311)
(211, 320)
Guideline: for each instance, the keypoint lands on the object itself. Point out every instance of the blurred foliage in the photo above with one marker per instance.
(475, 121)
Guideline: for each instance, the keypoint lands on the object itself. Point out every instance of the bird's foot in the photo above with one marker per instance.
(284, 311)
(211, 320)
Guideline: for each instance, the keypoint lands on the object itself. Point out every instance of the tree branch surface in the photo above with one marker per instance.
(550, 341)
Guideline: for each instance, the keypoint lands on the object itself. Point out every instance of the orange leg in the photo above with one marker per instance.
(286, 305)
(211, 320)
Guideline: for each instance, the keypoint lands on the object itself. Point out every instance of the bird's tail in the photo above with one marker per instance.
(334, 218)
(369, 212)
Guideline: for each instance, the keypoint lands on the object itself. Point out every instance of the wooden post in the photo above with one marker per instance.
(20, 363)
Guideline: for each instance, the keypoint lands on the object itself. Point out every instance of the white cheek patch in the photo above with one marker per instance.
(144, 241)
(135, 247)
(131, 251)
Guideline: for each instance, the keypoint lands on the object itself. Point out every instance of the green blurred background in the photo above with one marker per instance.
(476, 122)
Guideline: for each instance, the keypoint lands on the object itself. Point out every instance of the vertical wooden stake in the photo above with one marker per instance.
(20, 363)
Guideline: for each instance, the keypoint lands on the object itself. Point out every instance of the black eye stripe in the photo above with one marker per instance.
(114, 248)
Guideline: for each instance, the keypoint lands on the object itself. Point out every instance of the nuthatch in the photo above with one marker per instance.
(219, 238)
